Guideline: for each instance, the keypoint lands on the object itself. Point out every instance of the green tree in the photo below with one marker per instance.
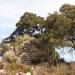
(56, 29)
(69, 11)
(29, 23)
(59, 30)
(29, 20)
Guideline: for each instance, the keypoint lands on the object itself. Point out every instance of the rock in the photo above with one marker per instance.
(3, 72)
(28, 73)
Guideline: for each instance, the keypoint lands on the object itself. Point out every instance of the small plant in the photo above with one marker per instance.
(28, 69)
(1, 65)
(21, 68)
(10, 56)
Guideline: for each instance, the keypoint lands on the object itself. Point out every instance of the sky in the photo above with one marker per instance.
(12, 10)
(68, 53)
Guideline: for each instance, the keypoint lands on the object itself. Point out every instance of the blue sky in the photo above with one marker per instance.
(67, 53)
(12, 10)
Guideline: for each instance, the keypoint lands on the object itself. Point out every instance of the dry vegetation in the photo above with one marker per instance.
(12, 65)
(31, 47)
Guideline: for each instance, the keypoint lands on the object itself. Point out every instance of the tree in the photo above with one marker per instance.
(69, 11)
(58, 30)
(29, 23)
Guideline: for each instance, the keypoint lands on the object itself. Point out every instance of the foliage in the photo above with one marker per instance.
(14, 68)
(29, 23)
(29, 69)
(29, 20)
(23, 39)
(1, 65)
(10, 56)
(68, 10)
(5, 48)
(58, 30)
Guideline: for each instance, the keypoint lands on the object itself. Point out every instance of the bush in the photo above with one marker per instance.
(28, 69)
(13, 68)
(10, 56)
(1, 65)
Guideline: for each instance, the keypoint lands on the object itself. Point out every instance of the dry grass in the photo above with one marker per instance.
(10, 56)
(60, 69)
(23, 39)
(13, 68)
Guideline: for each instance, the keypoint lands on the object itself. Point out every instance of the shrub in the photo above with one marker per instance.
(29, 69)
(1, 65)
(10, 56)
(21, 68)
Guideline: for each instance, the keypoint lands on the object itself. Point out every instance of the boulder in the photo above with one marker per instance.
(28, 73)
(3, 72)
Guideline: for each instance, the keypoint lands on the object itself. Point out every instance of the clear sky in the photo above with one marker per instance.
(12, 10)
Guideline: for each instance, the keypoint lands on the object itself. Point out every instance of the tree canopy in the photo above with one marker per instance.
(60, 27)
(30, 19)
(30, 23)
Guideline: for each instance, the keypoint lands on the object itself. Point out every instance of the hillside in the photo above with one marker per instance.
(31, 47)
